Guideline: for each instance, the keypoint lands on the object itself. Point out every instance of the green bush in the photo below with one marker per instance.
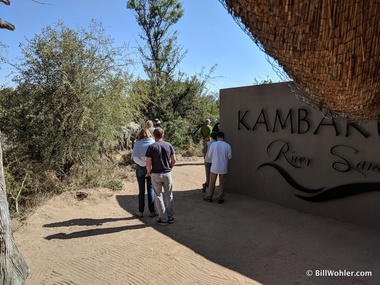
(37, 184)
(116, 184)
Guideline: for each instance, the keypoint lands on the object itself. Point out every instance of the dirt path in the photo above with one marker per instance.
(98, 241)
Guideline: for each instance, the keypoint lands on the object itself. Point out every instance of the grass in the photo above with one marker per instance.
(40, 187)
(106, 173)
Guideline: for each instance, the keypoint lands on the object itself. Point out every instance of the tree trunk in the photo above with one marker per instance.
(13, 269)
(6, 25)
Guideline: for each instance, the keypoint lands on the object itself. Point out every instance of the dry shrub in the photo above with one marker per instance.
(43, 185)
(192, 149)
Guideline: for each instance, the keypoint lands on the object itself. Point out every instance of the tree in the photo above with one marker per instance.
(177, 99)
(187, 105)
(13, 269)
(5, 24)
(260, 81)
(71, 94)
(160, 56)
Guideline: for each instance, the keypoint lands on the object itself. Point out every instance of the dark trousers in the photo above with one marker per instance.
(142, 181)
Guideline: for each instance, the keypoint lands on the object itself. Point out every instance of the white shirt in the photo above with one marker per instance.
(219, 154)
(139, 151)
(205, 149)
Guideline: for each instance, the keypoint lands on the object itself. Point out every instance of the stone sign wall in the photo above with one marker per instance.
(288, 153)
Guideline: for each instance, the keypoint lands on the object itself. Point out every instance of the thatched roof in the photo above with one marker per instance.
(331, 49)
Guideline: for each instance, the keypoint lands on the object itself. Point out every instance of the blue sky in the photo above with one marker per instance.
(207, 31)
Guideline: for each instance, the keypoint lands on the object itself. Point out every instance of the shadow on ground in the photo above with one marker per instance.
(269, 243)
(263, 241)
(84, 222)
(90, 232)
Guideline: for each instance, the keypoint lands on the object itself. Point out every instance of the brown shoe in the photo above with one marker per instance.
(207, 199)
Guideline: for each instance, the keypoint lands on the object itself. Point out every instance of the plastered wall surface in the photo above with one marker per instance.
(286, 152)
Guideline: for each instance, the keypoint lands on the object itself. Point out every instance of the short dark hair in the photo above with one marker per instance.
(158, 133)
(221, 135)
(214, 135)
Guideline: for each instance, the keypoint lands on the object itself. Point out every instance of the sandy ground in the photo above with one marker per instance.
(98, 241)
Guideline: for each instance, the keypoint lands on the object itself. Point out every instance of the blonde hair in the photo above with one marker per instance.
(144, 133)
(149, 124)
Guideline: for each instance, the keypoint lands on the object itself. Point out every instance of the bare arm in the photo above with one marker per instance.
(173, 160)
(204, 149)
(148, 165)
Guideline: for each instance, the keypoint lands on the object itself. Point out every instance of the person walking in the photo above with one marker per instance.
(220, 153)
(158, 124)
(149, 126)
(160, 160)
(216, 127)
(205, 149)
(206, 131)
(144, 139)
